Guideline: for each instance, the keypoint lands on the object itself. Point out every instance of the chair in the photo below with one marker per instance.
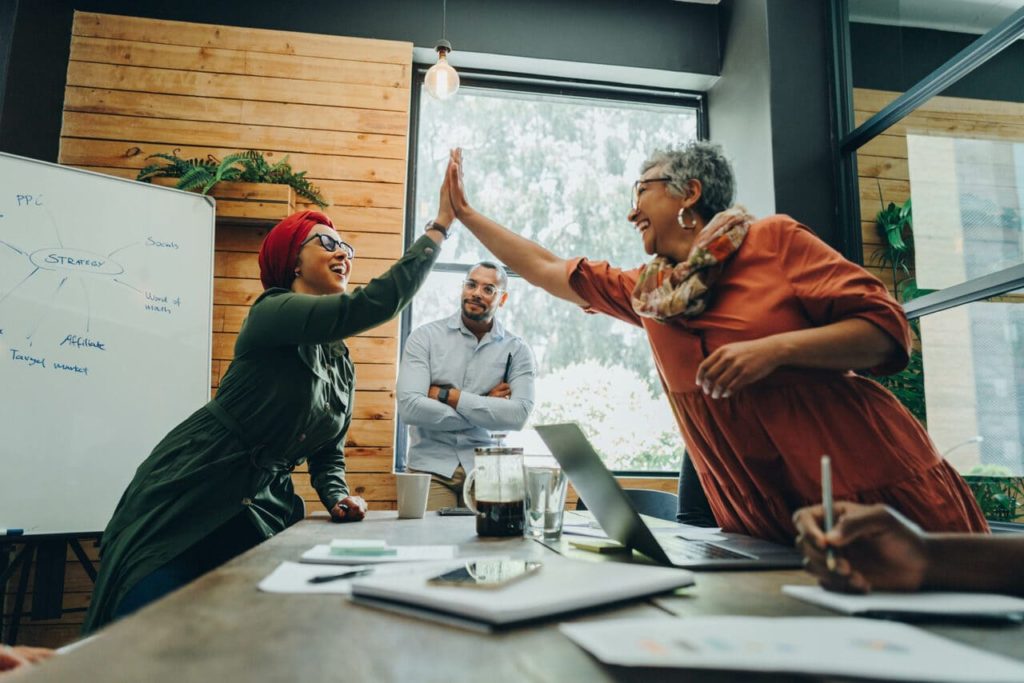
(650, 502)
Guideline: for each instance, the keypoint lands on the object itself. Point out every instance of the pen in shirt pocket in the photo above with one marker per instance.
(508, 366)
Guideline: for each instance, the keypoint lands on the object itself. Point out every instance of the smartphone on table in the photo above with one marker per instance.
(455, 512)
(487, 573)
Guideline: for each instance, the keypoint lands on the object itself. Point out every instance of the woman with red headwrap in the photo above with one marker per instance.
(220, 482)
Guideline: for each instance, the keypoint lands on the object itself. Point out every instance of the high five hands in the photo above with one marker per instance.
(454, 183)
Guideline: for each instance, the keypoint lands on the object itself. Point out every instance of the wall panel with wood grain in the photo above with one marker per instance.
(337, 107)
(882, 164)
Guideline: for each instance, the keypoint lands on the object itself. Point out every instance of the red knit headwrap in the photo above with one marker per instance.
(280, 249)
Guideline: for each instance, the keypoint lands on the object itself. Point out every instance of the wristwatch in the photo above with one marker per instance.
(434, 225)
(442, 395)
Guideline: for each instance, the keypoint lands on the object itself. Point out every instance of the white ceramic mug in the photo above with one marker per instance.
(413, 489)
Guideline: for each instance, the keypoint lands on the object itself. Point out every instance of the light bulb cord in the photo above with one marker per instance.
(444, 19)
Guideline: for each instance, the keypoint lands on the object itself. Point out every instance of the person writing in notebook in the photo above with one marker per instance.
(461, 377)
(877, 548)
(220, 482)
(755, 326)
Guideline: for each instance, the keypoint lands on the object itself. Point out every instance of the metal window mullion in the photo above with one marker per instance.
(1000, 282)
(961, 64)
(847, 193)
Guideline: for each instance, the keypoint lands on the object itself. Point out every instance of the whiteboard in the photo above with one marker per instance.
(106, 299)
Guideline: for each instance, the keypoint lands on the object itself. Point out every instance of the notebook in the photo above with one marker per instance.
(926, 606)
(681, 546)
(562, 586)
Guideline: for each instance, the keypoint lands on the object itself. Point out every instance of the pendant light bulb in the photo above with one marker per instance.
(442, 81)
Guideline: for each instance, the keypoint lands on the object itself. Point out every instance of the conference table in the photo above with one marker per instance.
(221, 628)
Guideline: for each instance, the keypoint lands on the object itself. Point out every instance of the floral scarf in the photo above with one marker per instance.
(666, 290)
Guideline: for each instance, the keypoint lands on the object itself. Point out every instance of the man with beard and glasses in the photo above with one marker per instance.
(461, 378)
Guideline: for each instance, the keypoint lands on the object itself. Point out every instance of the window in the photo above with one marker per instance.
(938, 103)
(558, 168)
(974, 384)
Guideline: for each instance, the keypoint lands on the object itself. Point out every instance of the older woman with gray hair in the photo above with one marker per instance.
(756, 326)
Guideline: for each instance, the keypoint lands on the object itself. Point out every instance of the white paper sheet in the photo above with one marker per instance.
(293, 577)
(950, 604)
(583, 530)
(321, 554)
(842, 646)
(70, 647)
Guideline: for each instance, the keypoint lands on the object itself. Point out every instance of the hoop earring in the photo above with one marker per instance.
(681, 219)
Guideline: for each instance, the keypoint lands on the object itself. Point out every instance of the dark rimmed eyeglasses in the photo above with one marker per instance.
(488, 290)
(640, 183)
(331, 244)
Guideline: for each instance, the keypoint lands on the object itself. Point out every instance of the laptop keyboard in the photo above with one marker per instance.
(699, 550)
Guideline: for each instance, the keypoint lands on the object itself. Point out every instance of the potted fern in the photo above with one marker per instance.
(895, 227)
(246, 185)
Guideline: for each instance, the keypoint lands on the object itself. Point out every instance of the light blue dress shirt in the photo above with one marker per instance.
(446, 352)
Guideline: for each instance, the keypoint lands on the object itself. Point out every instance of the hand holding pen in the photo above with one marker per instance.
(828, 508)
(502, 388)
(348, 509)
(877, 548)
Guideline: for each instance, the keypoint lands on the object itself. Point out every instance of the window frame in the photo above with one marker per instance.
(851, 138)
(497, 80)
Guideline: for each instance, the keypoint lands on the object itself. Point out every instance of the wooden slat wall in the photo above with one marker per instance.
(883, 161)
(337, 107)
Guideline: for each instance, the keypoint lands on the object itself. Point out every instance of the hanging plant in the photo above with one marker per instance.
(200, 175)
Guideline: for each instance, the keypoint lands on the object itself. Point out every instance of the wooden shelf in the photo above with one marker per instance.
(247, 202)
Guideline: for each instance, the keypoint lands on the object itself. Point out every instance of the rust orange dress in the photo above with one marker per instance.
(758, 453)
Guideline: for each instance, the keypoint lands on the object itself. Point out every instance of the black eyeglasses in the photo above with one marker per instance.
(331, 244)
(488, 290)
(640, 183)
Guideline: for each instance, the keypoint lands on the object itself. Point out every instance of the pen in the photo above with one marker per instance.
(826, 503)
(12, 532)
(508, 366)
(352, 573)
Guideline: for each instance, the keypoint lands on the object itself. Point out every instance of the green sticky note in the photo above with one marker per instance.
(364, 552)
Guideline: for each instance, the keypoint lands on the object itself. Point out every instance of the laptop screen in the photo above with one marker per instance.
(599, 490)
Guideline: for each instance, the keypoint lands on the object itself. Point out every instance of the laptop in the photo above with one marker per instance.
(679, 546)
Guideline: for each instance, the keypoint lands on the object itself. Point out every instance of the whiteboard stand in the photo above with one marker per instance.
(49, 553)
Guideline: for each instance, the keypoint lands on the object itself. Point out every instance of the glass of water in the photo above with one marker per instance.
(544, 502)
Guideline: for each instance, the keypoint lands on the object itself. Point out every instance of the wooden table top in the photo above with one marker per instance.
(221, 629)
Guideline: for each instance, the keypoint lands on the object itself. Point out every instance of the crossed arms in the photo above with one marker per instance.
(417, 408)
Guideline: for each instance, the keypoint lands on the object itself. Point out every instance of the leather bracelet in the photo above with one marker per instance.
(434, 225)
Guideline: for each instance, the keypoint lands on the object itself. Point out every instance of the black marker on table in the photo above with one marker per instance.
(351, 574)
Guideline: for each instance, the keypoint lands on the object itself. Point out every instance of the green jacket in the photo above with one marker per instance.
(286, 398)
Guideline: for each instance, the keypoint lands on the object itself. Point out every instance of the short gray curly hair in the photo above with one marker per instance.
(703, 161)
